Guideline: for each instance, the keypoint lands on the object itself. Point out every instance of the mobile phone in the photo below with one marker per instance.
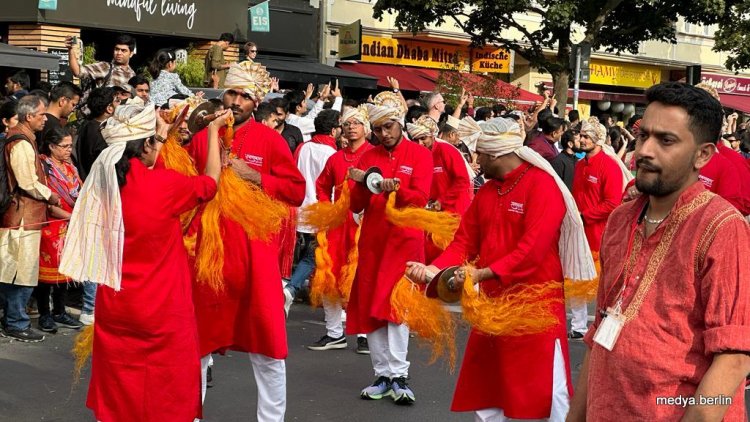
(74, 39)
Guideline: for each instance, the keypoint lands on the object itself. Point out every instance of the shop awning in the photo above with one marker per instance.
(409, 79)
(24, 58)
(308, 71)
(736, 102)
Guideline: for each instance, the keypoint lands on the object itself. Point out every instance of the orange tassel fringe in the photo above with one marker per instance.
(427, 318)
(584, 290)
(441, 225)
(323, 283)
(83, 347)
(521, 310)
(349, 270)
(245, 203)
(324, 215)
(176, 158)
(210, 257)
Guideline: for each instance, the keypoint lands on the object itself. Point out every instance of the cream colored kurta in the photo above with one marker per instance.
(19, 248)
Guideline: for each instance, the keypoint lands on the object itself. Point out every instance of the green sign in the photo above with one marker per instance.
(260, 21)
(47, 4)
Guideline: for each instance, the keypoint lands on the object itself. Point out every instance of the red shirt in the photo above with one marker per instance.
(248, 315)
(698, 266)
(384, 249)
(597, 189)
(516, 235)
(743, 171)
(451, 185)
(722, 178)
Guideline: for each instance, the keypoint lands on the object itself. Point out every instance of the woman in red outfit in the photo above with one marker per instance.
(145, 363)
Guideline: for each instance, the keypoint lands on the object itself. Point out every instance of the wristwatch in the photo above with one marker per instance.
(159, 138)
(395, 90)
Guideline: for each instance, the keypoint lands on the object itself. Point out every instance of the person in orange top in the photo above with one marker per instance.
(673, 320)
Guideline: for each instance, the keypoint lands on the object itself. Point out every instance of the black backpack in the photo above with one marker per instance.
(5, 191)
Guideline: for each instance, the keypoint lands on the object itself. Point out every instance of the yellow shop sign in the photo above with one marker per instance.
(623, 74)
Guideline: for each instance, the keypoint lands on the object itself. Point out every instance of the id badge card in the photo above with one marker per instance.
(609, 329)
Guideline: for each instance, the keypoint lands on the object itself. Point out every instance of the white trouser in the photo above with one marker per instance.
(580, 320)
(560, 396)
(388, 348)
(206, 361)
(270, 380)
(334, 322)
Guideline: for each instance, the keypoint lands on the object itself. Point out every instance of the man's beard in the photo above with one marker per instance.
(661, 186)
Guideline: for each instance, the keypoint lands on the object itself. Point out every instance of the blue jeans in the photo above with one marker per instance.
(89, 297)
(15, 300)
(306, 245)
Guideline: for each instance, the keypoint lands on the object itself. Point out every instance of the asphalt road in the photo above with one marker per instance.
(37, 383)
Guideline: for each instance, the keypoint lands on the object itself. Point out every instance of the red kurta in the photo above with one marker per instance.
(145, 364)
(597, 189)
(516, 235)
(384, 249)
(743, 171)
(340, 239)
(721, 177)
(248, 315)
(698, 266)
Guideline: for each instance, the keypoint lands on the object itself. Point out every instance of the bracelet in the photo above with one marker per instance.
(159, 138)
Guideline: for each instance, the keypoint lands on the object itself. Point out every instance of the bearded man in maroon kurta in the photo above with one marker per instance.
(524, 227)
(384, 250)
(673, 321)
(248, 314)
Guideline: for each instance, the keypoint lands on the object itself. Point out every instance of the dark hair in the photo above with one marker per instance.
(227, 36)
(568, 139)
(44, 86)
(446, 129)
(414, 112)
(351, 102)
(279, 102)
(125, 39)
(139, 80)
(705, 115)
(7, 111)
(326, 121)
(64, 89)
(499, 109)
(744, 142)
(54, 137)
(574, 116)
(615, 137)
(99, 99)
(263, 111)
(483, 113)
(551, 124)
(603, 119)
(21, 78)
(133, 149)
(160, 61)
(294, 98)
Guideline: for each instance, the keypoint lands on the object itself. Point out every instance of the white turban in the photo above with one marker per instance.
(386, 106)
(598, 133)
(94, 242)
(359, 114)
(501, 136)
(424, 125)
(250, 77)
(469, 132)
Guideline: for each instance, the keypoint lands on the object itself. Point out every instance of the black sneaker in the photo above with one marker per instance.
(67, 321)
(576, 336)
(209, 378)
(26, 336)
(362, 347)
(329, 343)
(47, 324)
(402, 394)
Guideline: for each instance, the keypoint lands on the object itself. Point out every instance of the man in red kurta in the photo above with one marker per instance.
(341, 240)
(743, 171)
(672, 335)
(597, 188)
(514, 227)
(452, 188)
(384, 250)
(248, 314)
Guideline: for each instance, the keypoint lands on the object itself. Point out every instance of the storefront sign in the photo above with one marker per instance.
(350, 41)
(186, 18)
(63, 73)
(623, 74)
(727, 84)
(437, 56)
(47, 4)
(259, 18)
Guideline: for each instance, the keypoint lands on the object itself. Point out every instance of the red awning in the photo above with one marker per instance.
(408, 78)
(736, 102)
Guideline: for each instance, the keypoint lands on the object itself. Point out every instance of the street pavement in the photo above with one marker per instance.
(37, 382)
